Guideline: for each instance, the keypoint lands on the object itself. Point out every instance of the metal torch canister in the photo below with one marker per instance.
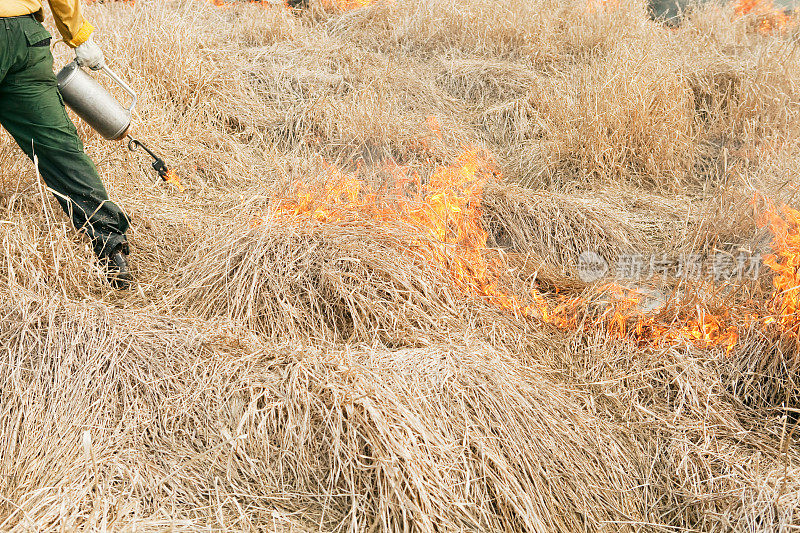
(96, 106)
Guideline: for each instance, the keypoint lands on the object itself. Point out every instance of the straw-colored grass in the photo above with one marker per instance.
(282, 373)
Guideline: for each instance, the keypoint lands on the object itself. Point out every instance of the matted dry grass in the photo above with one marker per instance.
(289, 375)
(135, 421)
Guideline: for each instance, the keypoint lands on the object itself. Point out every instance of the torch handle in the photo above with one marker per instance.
(113, 75)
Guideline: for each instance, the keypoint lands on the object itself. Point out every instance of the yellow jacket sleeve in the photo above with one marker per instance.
(70, 22)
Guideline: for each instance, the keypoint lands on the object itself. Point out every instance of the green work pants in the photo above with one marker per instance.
(32, 111)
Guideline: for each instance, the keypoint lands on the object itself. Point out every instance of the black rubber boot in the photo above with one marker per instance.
(118, 271)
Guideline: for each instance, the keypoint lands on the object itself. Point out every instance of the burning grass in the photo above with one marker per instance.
(437, 225)
(364, 308)
(766, 16)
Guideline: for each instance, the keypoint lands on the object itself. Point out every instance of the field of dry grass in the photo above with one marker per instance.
(366, 311)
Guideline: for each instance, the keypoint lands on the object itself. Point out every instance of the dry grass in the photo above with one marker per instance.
(286, 281)
(332, 375)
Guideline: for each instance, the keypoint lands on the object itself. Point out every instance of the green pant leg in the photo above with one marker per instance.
(32, 111)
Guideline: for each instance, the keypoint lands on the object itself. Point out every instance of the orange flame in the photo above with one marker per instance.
(785, 263)
(767, 17)
(172, 178)
(782, 308)
(227, 4)
(343, 5)
(445, 210)
(223, 3)
(346, 5)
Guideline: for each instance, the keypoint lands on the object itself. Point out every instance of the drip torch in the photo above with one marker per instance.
(98, 108)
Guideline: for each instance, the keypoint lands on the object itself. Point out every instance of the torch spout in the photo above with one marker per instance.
(158, 164)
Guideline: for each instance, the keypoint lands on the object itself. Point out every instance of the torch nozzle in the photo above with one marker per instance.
(158, 164)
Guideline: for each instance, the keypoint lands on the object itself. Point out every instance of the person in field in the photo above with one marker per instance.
(32, 111)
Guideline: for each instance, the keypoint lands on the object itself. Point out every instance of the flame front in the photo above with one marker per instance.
(445, 211)
(785, 263)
